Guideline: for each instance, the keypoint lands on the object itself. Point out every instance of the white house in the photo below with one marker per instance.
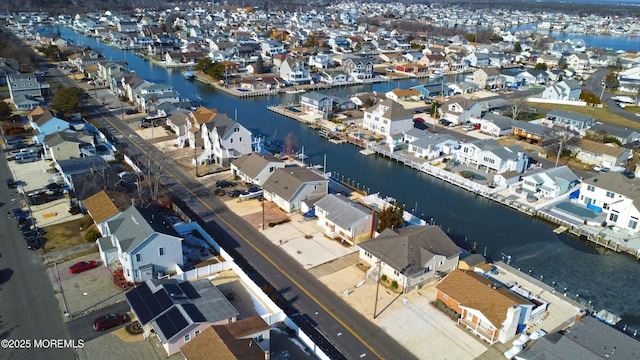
(410, 256)
(459, 110)
(290, 187)
(567, 90)
(489, 154)
(433, 146)
(295, 71)
(615, 195)
(344, 219)
(388, 118)
(550, 183)
(142, 243)
(496, 125)
(255, 168)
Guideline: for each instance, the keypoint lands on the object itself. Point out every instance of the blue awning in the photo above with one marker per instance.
(575, 194)
(310, 214)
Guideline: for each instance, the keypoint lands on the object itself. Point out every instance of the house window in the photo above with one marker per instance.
(613, 217)
(633, 223)
(197, 332)
(469, 316)
(591, 188)
(187, 337)
(240, 139)
(128, 274)
(138, 257)
(231, 140)
(272, 169)
(610, 194)
(445, 296)
(161, 251)
(396, 273)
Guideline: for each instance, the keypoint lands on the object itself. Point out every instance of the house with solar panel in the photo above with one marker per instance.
(178, 311)
(142, 243)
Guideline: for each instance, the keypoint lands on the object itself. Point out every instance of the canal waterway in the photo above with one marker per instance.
(608, 281)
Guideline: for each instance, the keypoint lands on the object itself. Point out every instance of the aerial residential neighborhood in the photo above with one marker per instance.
(352, 180)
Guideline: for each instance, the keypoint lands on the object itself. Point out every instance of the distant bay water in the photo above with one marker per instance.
(614, 42)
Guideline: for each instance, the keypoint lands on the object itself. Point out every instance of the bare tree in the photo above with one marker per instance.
(561, 139)
(290, 144)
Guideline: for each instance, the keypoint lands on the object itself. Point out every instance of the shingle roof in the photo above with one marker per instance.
(395, 111)
(474, 291)
(411, 247)
(285, 182)
(587, 339)
(252, 164)
(617, 183)
(103, 205)
(600, 148)
(342, 211)
(136, 225)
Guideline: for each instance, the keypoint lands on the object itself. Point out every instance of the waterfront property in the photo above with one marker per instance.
(410, 256)
(344, 219)
(256, 168)
(295, 188)
(489, 310)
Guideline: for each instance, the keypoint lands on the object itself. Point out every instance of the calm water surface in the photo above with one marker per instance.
(608, 281)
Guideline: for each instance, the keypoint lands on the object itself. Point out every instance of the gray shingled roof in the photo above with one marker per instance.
(285, 182)
(569, 115)
(586, 340)
(500, 121)
(432, 139)
(252, 164)
(342, 211)
(222, 123)
(395, 110)
(136, 225)
(407, 250)
(617, 183)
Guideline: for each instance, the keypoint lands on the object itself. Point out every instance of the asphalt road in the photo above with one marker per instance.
(29, 312)
(341, 325)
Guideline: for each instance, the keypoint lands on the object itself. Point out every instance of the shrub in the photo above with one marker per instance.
(394, 284)
(92, 235)
(383, 277)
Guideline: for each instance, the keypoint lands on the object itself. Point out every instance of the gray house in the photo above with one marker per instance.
(142, 243)
(316, 103)
(343, 219)
(64, 145)
(290, 187)
(412, 256)
(178, 311)
(256, 168)
(576, 122)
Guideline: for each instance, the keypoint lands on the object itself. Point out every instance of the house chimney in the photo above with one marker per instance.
(267, 355)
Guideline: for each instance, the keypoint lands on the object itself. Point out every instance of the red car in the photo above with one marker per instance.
(108, 321)
(82, 266)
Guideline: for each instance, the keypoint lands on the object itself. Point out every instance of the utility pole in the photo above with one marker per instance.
(375, 305)
(195, 154)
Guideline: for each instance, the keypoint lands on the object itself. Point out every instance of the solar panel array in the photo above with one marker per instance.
(194, 314)
(171, 322)
(189, 290)
(146, 304)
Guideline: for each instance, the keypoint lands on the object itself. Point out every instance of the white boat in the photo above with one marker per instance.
(251, 193)
(436, 74)
(295, 91)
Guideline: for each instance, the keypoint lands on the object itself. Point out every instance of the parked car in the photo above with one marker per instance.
(445, 122)
(468, 128)
(33, 232)
(19, 214)
(108, 321)
(35, 243)
(224, 183)
(251, 193)
(83, 266)
(131, 111)
(11, 184)
(234, 193)
(418, 119)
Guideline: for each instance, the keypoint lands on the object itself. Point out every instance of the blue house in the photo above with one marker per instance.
(431, 90)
